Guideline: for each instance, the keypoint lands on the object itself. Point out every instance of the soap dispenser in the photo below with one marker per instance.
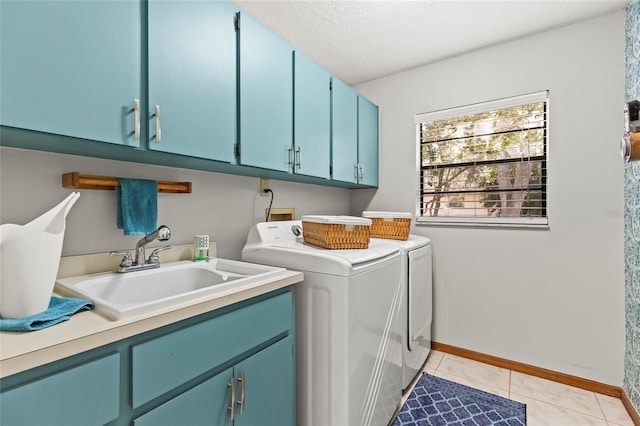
(200, 248)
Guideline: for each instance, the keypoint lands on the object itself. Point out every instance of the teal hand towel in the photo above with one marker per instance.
(60, 309)
(137, 206)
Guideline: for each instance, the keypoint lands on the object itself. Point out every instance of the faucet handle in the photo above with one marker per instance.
(127, 260)
(153, 257)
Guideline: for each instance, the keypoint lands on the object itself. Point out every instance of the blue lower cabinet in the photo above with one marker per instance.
(233, 366)
(206, 404)
(164, 363)
(268, 379)
(88, 394)
(256, 391)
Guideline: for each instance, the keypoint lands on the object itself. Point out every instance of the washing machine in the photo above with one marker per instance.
(417, 303)
(347, 310)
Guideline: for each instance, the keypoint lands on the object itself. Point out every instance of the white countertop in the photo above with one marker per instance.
(88, 330)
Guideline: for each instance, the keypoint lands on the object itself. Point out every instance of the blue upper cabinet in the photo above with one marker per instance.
(367, 142)
(312, 118)
(177, 75)
(192, 78)
(266, 96)
(72, 68)
(354, 136)
(344, 132)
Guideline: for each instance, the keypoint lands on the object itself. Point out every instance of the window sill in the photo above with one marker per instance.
(535, 223)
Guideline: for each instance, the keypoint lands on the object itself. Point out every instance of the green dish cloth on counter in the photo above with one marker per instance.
(60, 309)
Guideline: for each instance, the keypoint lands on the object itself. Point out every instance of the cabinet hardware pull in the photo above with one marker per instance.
(299, 152)
(356, 172)
(291, 157)
(242, 380)
(361, 176)
(136, 119)
(232, 407)
(158, 130)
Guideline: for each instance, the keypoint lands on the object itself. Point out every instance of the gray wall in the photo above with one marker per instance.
(551, 298)
(222, 206)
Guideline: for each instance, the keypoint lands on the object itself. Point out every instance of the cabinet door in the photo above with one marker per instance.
(205, 404)
(344, 136)
(312, 117)
(166, 362)
(192, 77)
(71, 67)
(368, 142)
(268, 386)
(83, 395)
(266, 96)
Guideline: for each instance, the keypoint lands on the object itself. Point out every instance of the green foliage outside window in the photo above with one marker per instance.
(491, 164)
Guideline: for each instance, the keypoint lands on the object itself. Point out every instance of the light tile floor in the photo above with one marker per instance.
(548, 403)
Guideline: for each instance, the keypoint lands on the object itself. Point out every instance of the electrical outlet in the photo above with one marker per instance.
(264, 185)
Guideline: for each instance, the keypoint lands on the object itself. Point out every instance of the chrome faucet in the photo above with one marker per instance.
(128, 264)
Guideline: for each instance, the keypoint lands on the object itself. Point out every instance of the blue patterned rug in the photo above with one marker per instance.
(435, 401)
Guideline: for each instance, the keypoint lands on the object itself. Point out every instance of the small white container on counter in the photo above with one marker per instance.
(200, 248)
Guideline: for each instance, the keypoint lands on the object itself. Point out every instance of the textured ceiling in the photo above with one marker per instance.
(360, 40)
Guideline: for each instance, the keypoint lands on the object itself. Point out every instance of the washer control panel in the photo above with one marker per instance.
(273, 232)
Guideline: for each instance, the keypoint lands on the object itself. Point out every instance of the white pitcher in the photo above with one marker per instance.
(29, 260)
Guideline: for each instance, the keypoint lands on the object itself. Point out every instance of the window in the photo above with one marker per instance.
(485, 163)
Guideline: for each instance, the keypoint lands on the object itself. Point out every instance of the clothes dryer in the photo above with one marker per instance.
(417, 303)
(347, 311)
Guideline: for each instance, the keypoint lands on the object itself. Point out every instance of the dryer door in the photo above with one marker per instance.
(420, 298)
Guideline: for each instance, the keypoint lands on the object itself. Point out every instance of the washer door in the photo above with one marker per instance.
(420, 297)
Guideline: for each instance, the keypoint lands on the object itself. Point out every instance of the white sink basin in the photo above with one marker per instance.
(120, 295)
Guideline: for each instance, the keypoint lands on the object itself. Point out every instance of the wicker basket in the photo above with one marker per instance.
(389, 225)
(336, 232)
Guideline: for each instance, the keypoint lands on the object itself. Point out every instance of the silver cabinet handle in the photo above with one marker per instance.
(242, 380)
(291, 157)
(232, 407)
(356, 172)
(299, 153)
(158, 130)
(136, 119)
(359, 172)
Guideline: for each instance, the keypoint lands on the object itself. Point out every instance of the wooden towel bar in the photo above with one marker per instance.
(76, 180)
